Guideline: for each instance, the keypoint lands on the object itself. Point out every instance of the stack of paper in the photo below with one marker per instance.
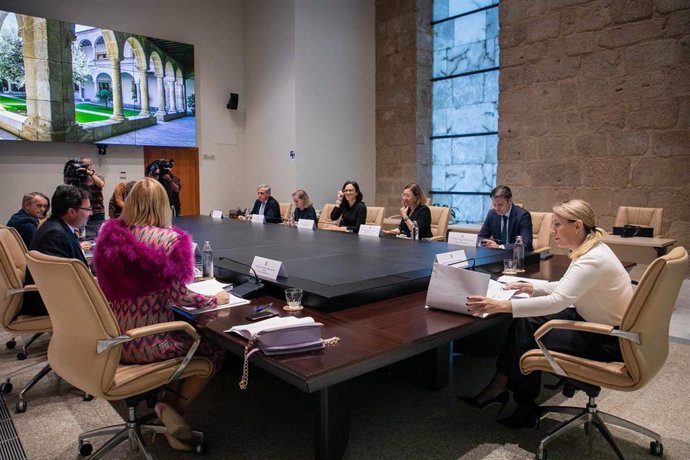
(210, 288)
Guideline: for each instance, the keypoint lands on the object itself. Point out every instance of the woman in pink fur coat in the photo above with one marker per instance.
(143, 264)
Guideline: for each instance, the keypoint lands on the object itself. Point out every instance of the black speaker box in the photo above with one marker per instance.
(232, 103)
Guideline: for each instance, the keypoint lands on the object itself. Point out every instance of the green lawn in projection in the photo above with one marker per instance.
(84, 112)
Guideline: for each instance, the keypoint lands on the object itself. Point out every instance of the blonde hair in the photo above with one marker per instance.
(147, 204)
(417, 192)
(302, 195)
(574, 210)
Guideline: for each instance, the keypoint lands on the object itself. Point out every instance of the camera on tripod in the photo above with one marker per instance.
(159, 168)
(75, 172)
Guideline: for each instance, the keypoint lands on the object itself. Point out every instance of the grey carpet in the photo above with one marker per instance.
(391, 418)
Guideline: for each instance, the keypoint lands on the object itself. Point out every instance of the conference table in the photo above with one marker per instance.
(398, 329)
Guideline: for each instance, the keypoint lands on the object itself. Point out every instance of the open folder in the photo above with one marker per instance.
(450, 286)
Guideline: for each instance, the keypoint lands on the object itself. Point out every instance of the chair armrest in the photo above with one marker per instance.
(152, 329)
(542, 249)
(436, 238)
(585, 326)
(27, 288)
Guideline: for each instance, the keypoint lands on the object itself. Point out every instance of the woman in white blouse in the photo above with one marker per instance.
(597, 287)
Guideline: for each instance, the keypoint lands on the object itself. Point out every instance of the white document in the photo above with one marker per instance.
(249, 330)
(516, 279)
(305, 224)
(462, 239)
(455, 258)
(258, 219)
(268, 268)
(209, 288)
(369, 230)
(216, 214)
(450, 286)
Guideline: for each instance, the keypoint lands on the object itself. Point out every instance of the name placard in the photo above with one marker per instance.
(216, 214)
(369, 230)
(268, 268)
(305, 224)
(454, 258)
(462, 239)
(258, 219)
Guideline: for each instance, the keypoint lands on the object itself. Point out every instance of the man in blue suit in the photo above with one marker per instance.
(505, 222)
(266, 205)
(56, 237)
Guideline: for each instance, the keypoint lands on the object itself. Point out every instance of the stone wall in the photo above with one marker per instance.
(595, 103)
(403, 99)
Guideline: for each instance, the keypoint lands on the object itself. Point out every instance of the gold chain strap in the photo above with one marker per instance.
(244, 381)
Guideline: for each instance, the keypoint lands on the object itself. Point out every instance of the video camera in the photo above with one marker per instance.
(75, 172)
(159, 168)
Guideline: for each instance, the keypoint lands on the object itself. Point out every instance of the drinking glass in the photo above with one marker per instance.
(509, 267)
(293, 297)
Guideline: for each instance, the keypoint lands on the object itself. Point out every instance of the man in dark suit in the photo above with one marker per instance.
(267, 205)
(505, 222)
(56, 237)
(25, 221)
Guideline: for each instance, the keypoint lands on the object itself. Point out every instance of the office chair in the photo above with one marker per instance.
(440, 216)
(643, 336)
(325, 217)
(12, 289)
(375, 215)
(541, 226)
(285, 211)
(643, 217)
(86, 346)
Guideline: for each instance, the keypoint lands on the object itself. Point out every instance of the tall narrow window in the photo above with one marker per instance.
(464, 138)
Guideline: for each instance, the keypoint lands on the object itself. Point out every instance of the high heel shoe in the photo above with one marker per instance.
(176, 425)
(502, 399)
(523, 417)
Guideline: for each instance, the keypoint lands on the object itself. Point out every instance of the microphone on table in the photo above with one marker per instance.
(253, 287)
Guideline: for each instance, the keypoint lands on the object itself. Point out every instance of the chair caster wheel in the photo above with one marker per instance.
(87, 397)
(11, 344)
(656, 448)
(21, 407)
(85, 448)
(6, 387)
(200, 449)
(21, 356)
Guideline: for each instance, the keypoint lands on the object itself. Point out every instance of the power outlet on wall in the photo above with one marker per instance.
(123, 175)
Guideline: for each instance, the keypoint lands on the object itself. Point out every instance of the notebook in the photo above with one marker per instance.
(450, 286)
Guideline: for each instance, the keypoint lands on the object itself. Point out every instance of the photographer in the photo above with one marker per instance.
(161, 170)
(81, 174)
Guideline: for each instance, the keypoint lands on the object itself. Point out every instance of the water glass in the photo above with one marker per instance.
(509, 267)
(293, 297)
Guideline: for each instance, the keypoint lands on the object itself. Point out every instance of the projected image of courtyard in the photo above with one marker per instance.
(84, 112)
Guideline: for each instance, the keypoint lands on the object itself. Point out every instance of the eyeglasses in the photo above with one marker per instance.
(86, 209)
(349, 190)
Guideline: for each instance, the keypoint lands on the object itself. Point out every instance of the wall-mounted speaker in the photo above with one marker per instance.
(232, 103)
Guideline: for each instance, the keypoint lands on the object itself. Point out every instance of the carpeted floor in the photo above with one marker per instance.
(391, 418)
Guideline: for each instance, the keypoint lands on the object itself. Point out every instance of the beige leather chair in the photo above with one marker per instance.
(375, 215)
(325, 217)
(643, 217)
(541, 226)
(440, 216)
(86, 346)
(12, 272)
(285, 211)
(643, 336)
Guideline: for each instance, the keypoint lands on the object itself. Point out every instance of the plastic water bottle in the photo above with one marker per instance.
(415, 230)
(207, 261)
(519, 254)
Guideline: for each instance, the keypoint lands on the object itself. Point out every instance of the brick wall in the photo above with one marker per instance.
(403, 99)
(595, 103)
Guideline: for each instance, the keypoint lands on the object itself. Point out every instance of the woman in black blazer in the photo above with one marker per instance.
(350, 211)
(414, 209)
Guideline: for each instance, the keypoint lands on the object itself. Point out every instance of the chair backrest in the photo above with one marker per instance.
(285, 211)
(643, 217)
(541, 226)
(649, 314)
(440, 216)
(375, 215)
(325, 216)
(12, 273)
(81, 317)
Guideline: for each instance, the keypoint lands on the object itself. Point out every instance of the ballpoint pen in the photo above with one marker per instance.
(263, 307)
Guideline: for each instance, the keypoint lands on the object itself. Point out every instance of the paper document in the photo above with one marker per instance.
(517, 279)
(251, 329)
(450, 286)
(207, 287)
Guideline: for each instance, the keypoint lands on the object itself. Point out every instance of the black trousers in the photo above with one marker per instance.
(520, 339)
